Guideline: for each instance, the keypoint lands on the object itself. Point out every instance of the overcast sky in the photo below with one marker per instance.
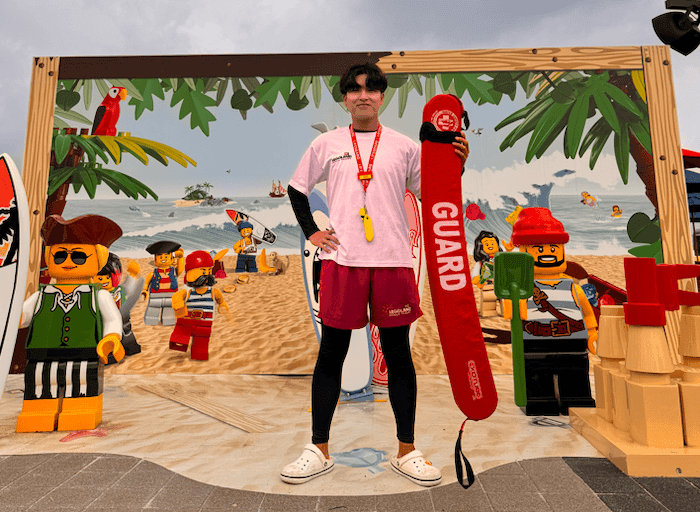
(94, 27)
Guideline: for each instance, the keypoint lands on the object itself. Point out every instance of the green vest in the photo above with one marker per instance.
(71, 334)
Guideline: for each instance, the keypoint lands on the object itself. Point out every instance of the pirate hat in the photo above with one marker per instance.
(86, 229)
(162, 247)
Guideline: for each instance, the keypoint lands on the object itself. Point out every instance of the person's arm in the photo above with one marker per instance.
(302, 211)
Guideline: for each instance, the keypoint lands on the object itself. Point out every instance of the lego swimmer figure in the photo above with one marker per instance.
(558, 325)
(161, 284)
(74, 325)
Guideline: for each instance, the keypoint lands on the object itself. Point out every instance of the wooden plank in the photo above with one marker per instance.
(37, 155)
(238, 419)
(523, 59)
(676, 238)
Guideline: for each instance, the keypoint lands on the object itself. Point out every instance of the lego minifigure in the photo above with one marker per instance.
(161, 284)
(246, 248)
(125, 293)
(194, 306)
(73, 327)
(559, 323)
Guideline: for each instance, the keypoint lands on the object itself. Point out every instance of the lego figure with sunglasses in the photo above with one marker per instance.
(74, 325)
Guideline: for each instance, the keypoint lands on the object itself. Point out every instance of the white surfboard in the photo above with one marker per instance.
(260, 232)
(14, 259)
(415, 235)
(356, 381)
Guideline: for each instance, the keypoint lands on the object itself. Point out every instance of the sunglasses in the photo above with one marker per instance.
(77, 257)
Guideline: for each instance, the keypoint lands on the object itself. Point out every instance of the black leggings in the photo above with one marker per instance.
(325, 386)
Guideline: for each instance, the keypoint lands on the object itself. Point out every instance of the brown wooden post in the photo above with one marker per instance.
(670, 178)
(35, 174)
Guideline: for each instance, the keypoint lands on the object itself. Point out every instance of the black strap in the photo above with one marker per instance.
(462, 463)
(430, 133)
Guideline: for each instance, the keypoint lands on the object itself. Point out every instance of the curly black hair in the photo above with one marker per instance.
(376, 79)
(479, 254)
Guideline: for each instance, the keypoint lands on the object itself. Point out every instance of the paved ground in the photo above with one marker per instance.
(117, 483)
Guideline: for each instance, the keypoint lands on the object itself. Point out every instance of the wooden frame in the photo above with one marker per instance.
(653, 60)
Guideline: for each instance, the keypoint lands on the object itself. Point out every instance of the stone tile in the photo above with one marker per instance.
(507, 484)
(285, 503)
(44, 478)
(96, 479)
(522, 502)
(24, 463)
(348, 503)
(145, 474)
(69, 498)
(553, 475)
(180, 493)
(632, 503)
(506, 469)
(454, 498)
(125, 499)
(419, 501)
(113, 463)
(679, 502)
(592, 465)
(607, 484)
(222, 498)
(21, 496)
(575, 502)
(667, 485)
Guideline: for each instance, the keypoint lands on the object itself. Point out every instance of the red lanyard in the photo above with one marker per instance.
(362, 175)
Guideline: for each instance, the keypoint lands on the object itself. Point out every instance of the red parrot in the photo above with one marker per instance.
(107, 113)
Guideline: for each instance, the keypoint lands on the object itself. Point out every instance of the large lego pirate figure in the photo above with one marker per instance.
(73, 327)
(559, 323)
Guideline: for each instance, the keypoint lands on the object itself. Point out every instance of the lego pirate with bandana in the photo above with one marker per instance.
(559, 323)
(74, 326)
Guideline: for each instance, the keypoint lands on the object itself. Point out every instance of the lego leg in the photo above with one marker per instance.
(574, 382)
(168, 313)
(539, 386)
(81, 408)
(83, 413)
(131, 346)
(200, 342)
(240, 263)
(152, 314)
(180, 337)
(38, 415)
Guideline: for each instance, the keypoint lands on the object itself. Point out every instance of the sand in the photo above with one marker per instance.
(182, 203)
(269, 330)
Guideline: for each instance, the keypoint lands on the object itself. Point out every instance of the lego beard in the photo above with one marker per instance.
(204, 280)
(548, 262)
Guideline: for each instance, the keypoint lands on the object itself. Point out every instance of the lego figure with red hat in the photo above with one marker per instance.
(194, 306)
(74, 325)
(161, 284)
(558, 324)
(125, 293)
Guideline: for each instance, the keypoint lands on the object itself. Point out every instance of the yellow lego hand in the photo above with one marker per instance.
(507, 309)
(133, 269)
(223, 308)
(592, 340)
(179, 253)
(110, 344)
(238, 246)
(180, 312)
(508, 245)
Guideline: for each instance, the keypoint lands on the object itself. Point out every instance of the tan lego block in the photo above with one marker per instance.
(620, 405)
(647, 350)
(690, 405)
(655, 411)
(689, 340)
(612, 333)
(603, 389)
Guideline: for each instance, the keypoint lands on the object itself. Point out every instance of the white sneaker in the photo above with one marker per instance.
(309, 465)
(418, 470)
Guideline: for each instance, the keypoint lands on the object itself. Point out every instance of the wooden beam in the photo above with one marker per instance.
(37, 155)
(228, 415)
(676, 239)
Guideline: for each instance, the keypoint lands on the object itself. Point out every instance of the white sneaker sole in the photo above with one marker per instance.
(424, 482)
(300, 479)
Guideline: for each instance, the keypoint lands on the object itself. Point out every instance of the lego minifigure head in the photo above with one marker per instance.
(76, 249)
(245, 229)
(198, 269)
(485, 246)
(111, 274)
(163, 253)
(539, 234)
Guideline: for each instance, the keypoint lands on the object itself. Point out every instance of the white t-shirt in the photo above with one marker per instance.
(331, 158)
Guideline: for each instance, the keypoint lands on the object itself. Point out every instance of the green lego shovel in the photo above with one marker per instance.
(514, 279)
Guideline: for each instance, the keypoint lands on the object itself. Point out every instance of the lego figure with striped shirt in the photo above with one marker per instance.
(194, 307)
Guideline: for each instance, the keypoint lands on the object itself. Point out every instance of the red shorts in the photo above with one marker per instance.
(392, 295)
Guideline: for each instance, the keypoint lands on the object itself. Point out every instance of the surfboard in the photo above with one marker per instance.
(415, 234)
(260, 232)
(356, 382)
(454, 304)
(14, 259)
